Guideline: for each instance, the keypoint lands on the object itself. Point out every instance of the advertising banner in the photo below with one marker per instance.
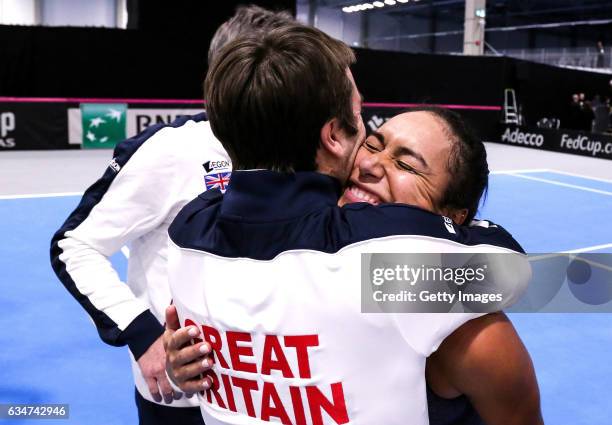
(103, 125)
(27, 126)
(55, 124)
(482, 120)
(564, 141)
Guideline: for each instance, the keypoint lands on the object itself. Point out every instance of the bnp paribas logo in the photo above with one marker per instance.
(104, 125)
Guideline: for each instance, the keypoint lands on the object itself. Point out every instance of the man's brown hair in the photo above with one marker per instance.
(269, 95)
(247, 19)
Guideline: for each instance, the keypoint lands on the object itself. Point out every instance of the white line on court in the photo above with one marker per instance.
(573, 186)
(41, 195)
(596, 264)
(550, 170)
(589, 248)
(527, 170)
(571, 257)
(126, 252)
(582, 176)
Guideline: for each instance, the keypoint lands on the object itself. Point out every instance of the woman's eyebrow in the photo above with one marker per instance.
(379, 136)
(404, 150)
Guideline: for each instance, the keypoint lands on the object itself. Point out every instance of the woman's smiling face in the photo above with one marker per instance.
(405, 161)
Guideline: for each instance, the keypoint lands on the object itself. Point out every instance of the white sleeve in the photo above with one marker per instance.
(136, 194)
(424, 332)
(509, 275)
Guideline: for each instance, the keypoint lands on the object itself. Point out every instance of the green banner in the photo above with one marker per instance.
(104, 124)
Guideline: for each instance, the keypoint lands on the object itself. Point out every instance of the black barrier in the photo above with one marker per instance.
(53, 125)
(485, 122)
(33, 126)
(58, 124)
(384, 76)
(111, 63)
(564, 141)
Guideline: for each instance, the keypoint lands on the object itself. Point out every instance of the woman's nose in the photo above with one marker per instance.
(371, 166)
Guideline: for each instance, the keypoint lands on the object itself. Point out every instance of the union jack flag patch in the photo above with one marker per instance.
(219, 180)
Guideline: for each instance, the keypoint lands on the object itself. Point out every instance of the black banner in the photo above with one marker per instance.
(33, 126)
(46, 125)
(564, 141)
(56, 124)
(483, 122)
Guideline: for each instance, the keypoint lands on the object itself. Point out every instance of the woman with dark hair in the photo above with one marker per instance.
(427, 157)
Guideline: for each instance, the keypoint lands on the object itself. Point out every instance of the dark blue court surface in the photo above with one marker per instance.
(51, 352)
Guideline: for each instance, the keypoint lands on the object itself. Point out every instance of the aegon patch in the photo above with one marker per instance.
(215, 165)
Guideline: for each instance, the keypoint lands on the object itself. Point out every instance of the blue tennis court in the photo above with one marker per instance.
(51, 352)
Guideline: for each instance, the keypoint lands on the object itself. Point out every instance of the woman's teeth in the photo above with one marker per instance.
(358, 193)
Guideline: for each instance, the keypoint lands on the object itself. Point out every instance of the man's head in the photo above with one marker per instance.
(427, 157)
(286, 101)
(246, 20)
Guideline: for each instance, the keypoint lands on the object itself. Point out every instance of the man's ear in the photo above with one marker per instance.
(458, 216)
(331, 138)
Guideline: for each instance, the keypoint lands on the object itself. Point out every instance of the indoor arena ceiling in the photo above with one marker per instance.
(499, 12)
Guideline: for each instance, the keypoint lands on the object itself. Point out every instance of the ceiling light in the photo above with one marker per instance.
(390, 2)
(362, 6)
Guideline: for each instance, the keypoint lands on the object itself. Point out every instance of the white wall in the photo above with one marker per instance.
(383, 26)
(301, 11)
(18, 12)
(351, 29)
(343, 26)
(89, 13)
(97, 13)
(329, 20)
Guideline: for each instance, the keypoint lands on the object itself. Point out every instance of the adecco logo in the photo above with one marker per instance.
(518, 137)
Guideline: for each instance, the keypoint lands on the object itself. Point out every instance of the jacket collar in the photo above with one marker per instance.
(269, 195)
